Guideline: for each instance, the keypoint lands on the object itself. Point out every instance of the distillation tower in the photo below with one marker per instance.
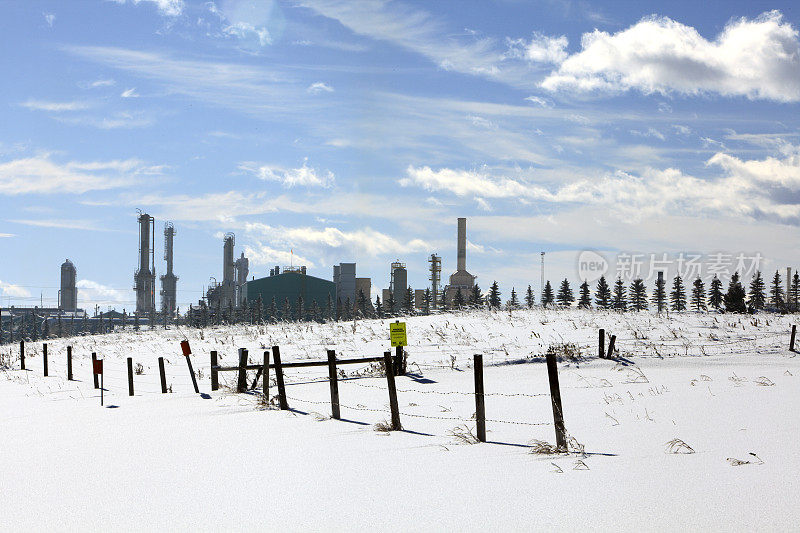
(145, 277)
(169, 281)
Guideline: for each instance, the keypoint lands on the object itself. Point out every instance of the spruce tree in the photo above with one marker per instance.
(426, 302)
(315, 312)
(776, 292)
(547, 295)
(287, 310)
(757, 296)
(362, 303)
(794, 293)
(529, 300)
(475, 297)
(443, 303)
(620, 299)
(458, 300)
(347, 310)
(389, 302)
(715, 295)
(602, 294)
(638, 294)
(408, 300)
(677, 298)
(513, 302)
(698, 295)
(565, 296)
(494, 296)
(734, 298)
(273, 309)
(301, 309)
(585, 301)
(660, 294)
(378, 307)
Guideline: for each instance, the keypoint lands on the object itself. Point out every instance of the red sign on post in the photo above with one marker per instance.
(185, 347)
(97, 366)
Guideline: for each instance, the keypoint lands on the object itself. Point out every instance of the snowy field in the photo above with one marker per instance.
(723, 387)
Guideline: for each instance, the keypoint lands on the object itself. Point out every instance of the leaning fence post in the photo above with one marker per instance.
(130, 376)
(96, 384)
(387, 362)
(480, 408)
(44, 358)
(241, 385)
(555, 397)
(611, 347)
(214, 372)
(69, 363)
(276, 357)
(791, 340)
(265, 374)
(22, 355)
(601, 346)
(163, 375)
(334, 385)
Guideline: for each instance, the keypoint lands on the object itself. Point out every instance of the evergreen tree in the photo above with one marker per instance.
(347, 310)
(660, 294)
(328, 314)
(338, 309)
(677, 297)
(378, 307)
(734, 298)
(300, 314)
(494, 296)
(426, 301)
(458, 300)
(529, 300)
(315, 311)
(776, 291)
(475, 297)
(513, 302)
(260, 309)
(547, 294)
(638, 295)
(794, 293)
(408, 300)
(390, 304)
(443, 304)
(757, 298)
(273, 309)
(565, 296)
(46, 329)
(362, 303)
(585, 301)
(715, 295)
(698, 295)
(602, 295)
(286, 314)
(620, 300)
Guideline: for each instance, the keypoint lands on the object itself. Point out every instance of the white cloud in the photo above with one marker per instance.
(244, 30)
(70, 223)
(262, 254)
(213, 207)
(41, 105)
(543, 102)
(304, 176)
(9, 289)
(651, 132)
(169, 8)
(6, 235)
(119, 120)
(130, 93)
(41, 175)
(758, 58)
(319, 87)
(91, 293)
(541, 48)
(49, 18)
(101, 83)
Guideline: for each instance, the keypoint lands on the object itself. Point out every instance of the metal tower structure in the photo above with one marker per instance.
(436, 278)
(169, 281)
(68, 295)
(228, 297)
(145, 276)
(242, 269)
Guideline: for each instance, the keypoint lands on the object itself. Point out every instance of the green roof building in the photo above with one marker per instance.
(291, 284)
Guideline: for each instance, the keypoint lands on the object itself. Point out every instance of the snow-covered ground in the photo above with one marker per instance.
(726, 386)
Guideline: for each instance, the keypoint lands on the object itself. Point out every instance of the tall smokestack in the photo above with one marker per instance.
(462, 244)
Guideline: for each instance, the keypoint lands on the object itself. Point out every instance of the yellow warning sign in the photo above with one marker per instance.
(397, 334)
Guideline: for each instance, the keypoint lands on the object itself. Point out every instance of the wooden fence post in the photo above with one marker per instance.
(265, 374)
(387, 364)
(601, 347)
(334, 385)
(44, 358)
(791, 341)
(163, 375)
(94, 376)
(191, 373)
(214, 373)
(611, 347)
(22, 355)
(480, 408)
(555, 397)
(276, 357)
(130, 376)
(399, 367)
(69, 363)
(241, 385)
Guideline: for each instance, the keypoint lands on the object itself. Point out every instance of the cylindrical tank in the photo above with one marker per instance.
(69, 293)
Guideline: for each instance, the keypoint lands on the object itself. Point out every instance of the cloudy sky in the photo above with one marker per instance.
(360, 131)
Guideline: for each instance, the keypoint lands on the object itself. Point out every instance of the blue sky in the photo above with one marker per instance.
(360, 131)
